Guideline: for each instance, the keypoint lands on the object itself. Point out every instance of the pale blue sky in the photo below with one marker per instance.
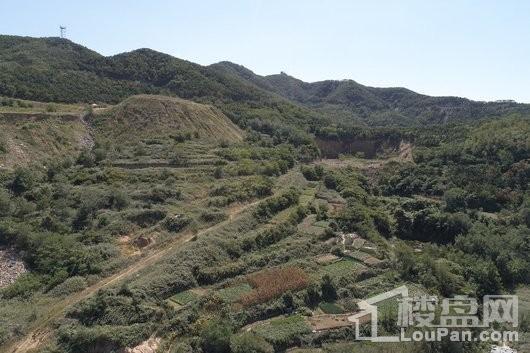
(476, 49)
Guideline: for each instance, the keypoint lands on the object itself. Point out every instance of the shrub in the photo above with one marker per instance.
(51, 108)
(23, 180)
(99, 154)
(3, 145)
(176, 223)
(213, 216)
(329, 293)
(181, 137)
(215, 337)
(249, 343)
(6, 207)
(455, 199)
(86, 158)
(330, 181)
(524, 216)
(24, 286)
(274, 234)
(312, 173)
(179, 160)
(71, 285)
(218, 173)
(215, 274)
(269, 207)
(118, 199)
(312, 296)
(77, 338)
(145, 218)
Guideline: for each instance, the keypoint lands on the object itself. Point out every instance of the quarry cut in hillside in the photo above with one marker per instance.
(145, 116)
(368, 147)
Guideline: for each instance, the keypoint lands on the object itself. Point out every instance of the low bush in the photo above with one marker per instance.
(71, 285)
(269, 207)
(145, 218)
(312, 173)
(24, 287)
(177, 222)
(210, 216)
(249, 343)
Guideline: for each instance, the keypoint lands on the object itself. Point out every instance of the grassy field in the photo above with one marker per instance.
(184, 298)
(344, 267)
(10, 105)
(283, 331)
(233, 293)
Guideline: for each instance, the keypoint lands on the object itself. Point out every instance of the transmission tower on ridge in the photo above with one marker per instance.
(63, 31)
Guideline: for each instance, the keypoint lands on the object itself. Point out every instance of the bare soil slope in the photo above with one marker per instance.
(142, 116)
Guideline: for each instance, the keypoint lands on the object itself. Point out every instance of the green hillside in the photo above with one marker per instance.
(67, 72)
(157, 205)
(54, 69)
(346, 101)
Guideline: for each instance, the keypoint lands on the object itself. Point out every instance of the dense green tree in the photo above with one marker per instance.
(312, 296)
(23, 180)
(215, 337)
(455, 199)
(329, 292)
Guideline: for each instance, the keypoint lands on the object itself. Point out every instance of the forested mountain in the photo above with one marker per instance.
(347, 100)
(54, 69)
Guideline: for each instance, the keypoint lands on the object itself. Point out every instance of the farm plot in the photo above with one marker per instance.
(308, 195)
(233, 293)
(283, 331)
(310, 226)
(365, 258)
(335, 202)
(270, 284)
(183, 298)
(343, 268)
(329, 322)
(327, 259)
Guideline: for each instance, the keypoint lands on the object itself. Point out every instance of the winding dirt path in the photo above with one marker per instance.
(42, 332)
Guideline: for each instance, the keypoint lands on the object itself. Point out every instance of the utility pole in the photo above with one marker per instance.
(63, 31)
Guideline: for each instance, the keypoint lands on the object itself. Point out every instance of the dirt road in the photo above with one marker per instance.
(40, 334)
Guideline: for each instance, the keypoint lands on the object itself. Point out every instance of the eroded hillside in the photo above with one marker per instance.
(144, 116)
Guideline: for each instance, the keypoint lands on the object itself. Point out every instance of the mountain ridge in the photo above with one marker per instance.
(55, 69)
